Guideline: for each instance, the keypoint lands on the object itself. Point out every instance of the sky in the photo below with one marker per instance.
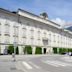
(57, 10)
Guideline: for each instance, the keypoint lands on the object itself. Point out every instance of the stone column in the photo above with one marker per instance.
(23, 47)
(42, 50)
(21, 50)
(2, 49)
(47, 50)
(51, 50)
(57, 50)
(33, 49)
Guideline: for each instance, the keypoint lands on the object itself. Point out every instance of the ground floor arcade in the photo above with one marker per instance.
(30, 49)
(25, 49)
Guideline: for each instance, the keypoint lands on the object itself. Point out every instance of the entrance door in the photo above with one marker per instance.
(44, 50)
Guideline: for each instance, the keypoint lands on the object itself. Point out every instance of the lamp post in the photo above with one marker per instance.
(13, 55)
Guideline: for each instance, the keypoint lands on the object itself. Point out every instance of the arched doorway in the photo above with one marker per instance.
(44, 50)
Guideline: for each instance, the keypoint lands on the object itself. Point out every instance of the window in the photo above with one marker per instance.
(24, 32)
(54, 37)
(16, 40)
(32, 33)
(45, 34)
(39, 40)
(24, 41)
(16, 31)
(7, 39)
(7, 29)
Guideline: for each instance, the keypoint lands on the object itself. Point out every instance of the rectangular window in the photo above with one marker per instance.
(24, 41)
(7, 28)
(24, 32)
(7, 39)
(16, 31)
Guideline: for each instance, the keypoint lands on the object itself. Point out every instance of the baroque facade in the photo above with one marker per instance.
(24, 28)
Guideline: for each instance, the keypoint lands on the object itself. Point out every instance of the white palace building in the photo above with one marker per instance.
(24, 28)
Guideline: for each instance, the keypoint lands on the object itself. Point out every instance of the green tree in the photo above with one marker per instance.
(28, 49)
(55, 50)
(38, 50)
(10, 49)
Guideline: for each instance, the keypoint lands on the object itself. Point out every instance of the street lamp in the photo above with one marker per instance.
(13, 55)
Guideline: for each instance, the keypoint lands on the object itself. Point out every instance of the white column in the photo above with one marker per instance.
(33, 49)
(51, 50)
(47, 50)
(58, 50)
(2, 49)
(21, 49)
(42, 50)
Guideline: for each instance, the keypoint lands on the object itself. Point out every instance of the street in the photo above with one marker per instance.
(36, 63)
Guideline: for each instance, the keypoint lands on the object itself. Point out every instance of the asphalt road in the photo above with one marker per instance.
(36, 63)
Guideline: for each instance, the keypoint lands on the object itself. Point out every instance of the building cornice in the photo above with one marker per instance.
(37, 18)
(33, 17)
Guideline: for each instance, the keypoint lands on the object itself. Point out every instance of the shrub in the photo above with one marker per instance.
(38, 50)
(55, 50)
(60, 50)
(10, 49)
(28, 49)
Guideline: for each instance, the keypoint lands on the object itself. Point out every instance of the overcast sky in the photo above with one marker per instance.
(56, 9)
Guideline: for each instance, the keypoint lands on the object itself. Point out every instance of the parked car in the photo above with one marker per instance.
(70, 53)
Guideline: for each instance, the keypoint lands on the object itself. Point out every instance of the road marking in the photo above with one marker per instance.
(27, 65)
(34, 65)
(19, 66)
(51, 63)
(56, 63)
